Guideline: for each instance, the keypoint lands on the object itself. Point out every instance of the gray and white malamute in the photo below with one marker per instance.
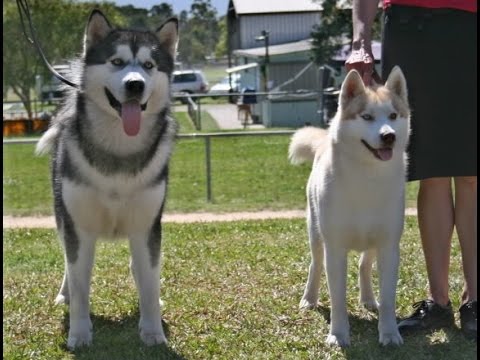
(111, 144)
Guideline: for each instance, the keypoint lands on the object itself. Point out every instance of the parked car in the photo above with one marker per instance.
(189, 81)
(224, 87)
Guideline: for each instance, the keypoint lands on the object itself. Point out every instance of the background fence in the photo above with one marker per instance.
(207, 148)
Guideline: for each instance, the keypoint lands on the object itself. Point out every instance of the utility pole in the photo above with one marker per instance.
(265, 38)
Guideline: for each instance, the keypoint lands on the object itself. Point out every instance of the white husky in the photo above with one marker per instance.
(355, 198)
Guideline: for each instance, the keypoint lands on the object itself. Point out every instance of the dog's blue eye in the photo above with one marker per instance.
(147, 65)
(367, 117)
(392, 116)
(117, 62)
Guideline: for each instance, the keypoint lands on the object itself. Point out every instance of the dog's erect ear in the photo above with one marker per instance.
(397, 84)
(98, 28)
(352, 87)
(167, 34)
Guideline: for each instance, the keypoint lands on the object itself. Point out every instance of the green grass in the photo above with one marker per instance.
(185, 124)
(208, 123)
(231, 291)
(26, 181)
(241, 179)
(248, 173)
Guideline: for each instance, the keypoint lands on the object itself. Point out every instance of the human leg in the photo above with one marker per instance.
(466, 225)
(436, 222)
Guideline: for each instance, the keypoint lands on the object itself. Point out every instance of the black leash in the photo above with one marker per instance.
(23, 5)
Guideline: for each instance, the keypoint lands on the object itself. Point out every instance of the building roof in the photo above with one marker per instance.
(301, 46)
(292, 47)
(243, 7)
(275, 6)
(241, 67)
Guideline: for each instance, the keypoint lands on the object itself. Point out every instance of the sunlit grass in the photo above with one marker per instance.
(231, 291)
(248, 173)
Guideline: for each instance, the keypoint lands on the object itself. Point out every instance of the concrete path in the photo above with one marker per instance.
(225, 115)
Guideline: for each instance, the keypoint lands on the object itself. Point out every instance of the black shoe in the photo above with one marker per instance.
(468, 319)
(428, 316)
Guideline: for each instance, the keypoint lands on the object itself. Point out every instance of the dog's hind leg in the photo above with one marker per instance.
(63, 296)
(145, 266)
(310, 295)
(132, 270)
(80, 249)
(367, 298)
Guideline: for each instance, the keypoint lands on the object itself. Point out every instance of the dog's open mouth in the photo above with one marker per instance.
(384, 153)
(130, 112)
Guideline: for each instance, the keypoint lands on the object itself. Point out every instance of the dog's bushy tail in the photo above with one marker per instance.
(305, 143)
(47, 140)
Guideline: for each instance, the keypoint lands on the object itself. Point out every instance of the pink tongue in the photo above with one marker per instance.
(385, 154)
(131, 115)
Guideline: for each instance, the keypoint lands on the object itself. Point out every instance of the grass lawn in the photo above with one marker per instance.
(231, 291)
(208, 123)
(248, 173)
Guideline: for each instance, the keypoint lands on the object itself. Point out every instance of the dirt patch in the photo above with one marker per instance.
(49, 221)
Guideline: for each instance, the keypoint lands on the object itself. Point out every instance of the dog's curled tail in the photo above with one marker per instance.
(47, 140)
(305, 143)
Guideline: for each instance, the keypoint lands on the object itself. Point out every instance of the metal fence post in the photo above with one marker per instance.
(324, 75)
(199, 115)
(208, 168)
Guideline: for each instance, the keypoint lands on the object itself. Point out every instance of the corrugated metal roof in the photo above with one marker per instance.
(297, 46)
(278, 6)
(303, 45)
(241, 67)
(274, 6)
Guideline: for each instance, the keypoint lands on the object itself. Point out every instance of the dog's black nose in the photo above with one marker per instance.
(388, 138)
(135, 87)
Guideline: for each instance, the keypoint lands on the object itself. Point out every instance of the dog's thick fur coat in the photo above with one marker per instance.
(111, 143)
(355, 197)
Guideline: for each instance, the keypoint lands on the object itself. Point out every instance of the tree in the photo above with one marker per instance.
(199, 32)
(221, 48)
(136, 17)
(60, 36)
(158, 14)
(335, 29)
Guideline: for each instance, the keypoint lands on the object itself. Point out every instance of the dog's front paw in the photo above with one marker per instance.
(152, 333)
(342, 340)
(390, 337)
(80, 335)
(307, 304)
(153, 338)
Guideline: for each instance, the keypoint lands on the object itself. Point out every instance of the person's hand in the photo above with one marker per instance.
(363, 61)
